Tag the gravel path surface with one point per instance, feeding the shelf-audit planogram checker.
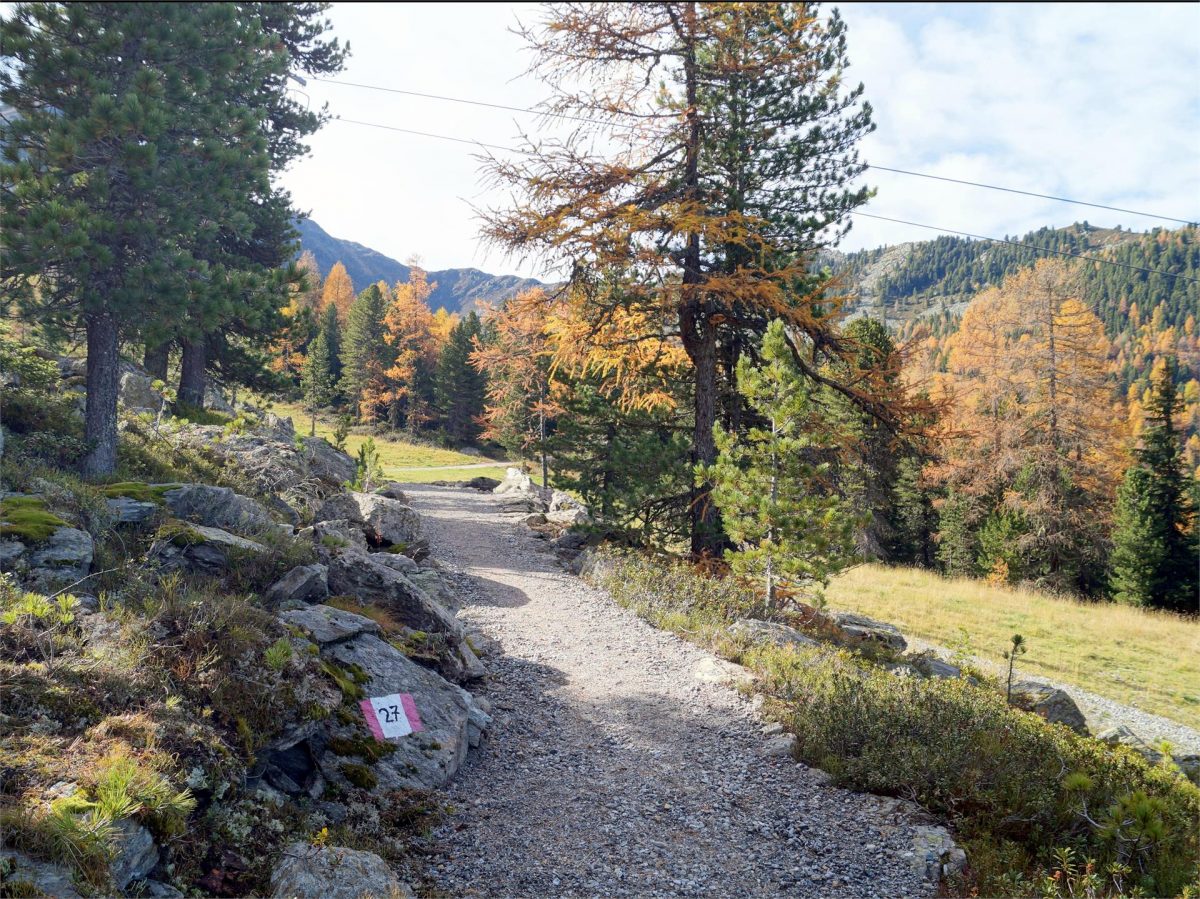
(611, 770)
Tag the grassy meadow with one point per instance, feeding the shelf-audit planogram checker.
(403, 460)
(1146, 659)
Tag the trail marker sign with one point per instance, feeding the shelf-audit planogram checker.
(391, 716)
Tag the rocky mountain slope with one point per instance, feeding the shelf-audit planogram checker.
(458, 289)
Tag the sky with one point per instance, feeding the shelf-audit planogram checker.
(1093, 102)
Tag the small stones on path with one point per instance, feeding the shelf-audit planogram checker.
(611, 767)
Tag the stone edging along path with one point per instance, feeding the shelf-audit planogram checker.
(612, 769)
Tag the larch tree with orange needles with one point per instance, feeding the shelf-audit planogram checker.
(716, 158)
(1045, 439)
(409, 331)
(338, 291)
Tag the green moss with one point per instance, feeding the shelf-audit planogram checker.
(143, 493)
(346, 681)
(180, 533)
(26, 518)
(360, 776)
(398, 549)
(363, 747)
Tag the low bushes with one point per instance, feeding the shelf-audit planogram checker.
(1041, 810)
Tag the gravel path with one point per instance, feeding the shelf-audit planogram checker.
(611, 770)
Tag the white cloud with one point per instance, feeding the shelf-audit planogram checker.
(1096, 102)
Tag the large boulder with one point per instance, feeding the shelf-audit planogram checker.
(217, 507)
(126, 510)
(304, 583)
(327, 463)
(451, 720)
(1052, 703)
(330, 872)
(515, 481)
(770, 633)
(860, 629)
(136, 392)
(338, 534)
(354, 574)
(63, 559)
(929, 665)
(385, 522)
(200, 549)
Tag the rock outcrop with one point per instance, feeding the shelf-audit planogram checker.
(330, 872)
(770, 632)
(385, 522)
(1053, 704)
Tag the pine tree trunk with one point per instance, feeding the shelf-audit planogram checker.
(192, 373)
(103, 379)
(155, 359)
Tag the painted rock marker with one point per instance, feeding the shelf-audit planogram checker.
(391, 716)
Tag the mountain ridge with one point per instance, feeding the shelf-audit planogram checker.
(457, 289)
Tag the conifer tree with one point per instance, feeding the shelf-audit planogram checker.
(1154, 560)
(726, 163)
(338, 291)
(129, 152)
(408, 391)
(331, 327)
(317, 381)
(461, 387)
(366, 355)
(773, 484)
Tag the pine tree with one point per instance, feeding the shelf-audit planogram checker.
(317, 380)
(366, 355)
(331, 327)
(1154, 559)
(461, 387)
(128, 153)
(772, 484)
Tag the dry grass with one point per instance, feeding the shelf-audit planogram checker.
(1146, 659)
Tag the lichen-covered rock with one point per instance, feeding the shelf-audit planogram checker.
(218, 507)
(781, 745)
(450, 719)
(354, 574)
(769, 632)
(126, 510)
(325, 624)
(136, 392)
(64, 558)
(935, 854)
(393, 490)
(330, 872)
(386, 522)
(397, 562)
(515, 481)
(718, 671)
(1052, 703)
(338, 534)
(304, 583)
(135, 853)
(28, 876)
(200, 549)
(931, 666)
(859, 629)
(568, 517)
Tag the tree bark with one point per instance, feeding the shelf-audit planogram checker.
(155, 359)
(192, 374)
(103, 380)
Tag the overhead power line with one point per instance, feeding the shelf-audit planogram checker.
(475, 143)
(881, 168)
(1028, 246)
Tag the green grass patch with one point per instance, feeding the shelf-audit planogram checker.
(1140, 657)
(27, 518)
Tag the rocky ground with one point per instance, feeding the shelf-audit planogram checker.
(612, 769)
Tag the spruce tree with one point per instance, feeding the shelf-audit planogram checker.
(317, 379)
(1154, 560)
(461, 387)
(331, 327)
(772, 484)
(365, 353)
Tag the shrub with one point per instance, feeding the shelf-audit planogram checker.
(1018, 790)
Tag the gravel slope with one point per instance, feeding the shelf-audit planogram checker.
(611, 770)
